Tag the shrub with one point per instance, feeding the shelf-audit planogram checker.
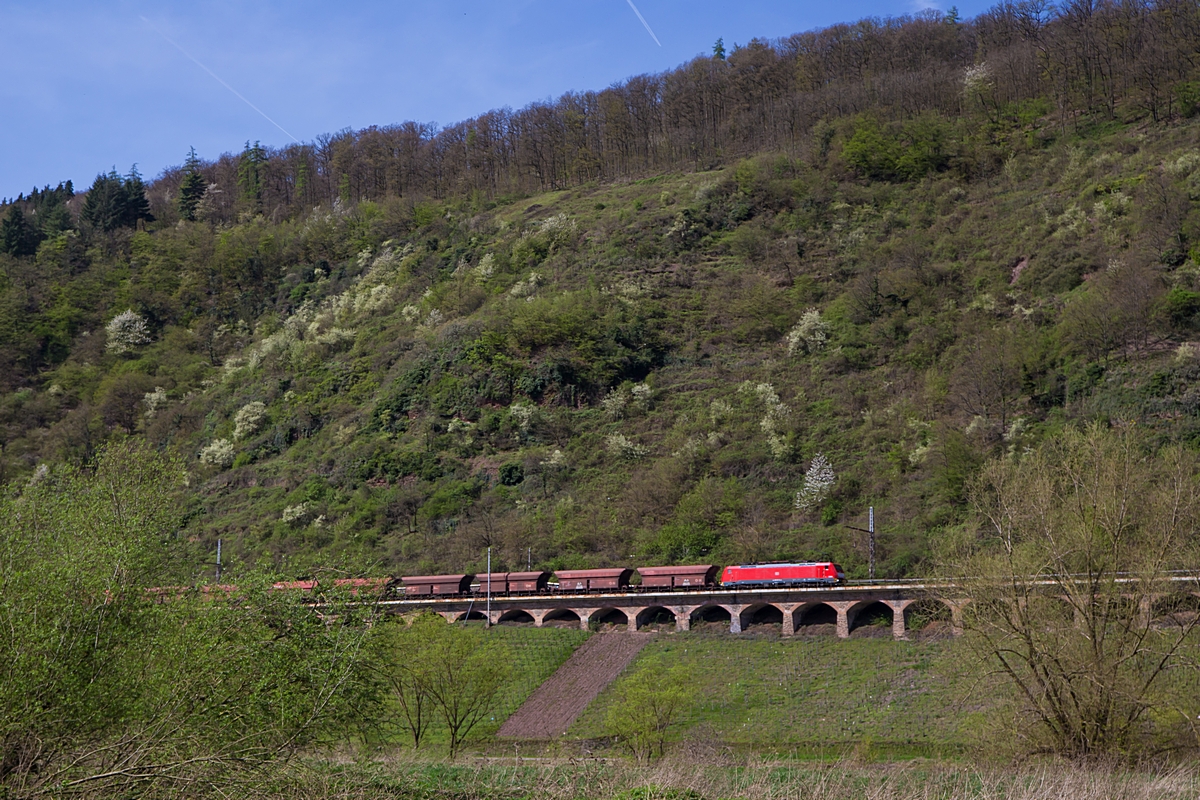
(1189, 98)
(511, 474)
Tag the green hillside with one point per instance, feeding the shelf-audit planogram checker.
(632, 372)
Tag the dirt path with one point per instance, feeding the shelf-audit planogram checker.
(554, 705)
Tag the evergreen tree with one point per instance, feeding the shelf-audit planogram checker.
(113, 202)
(105, 202)
(54, 220)
(51, 216)
(191, 190)
(136, 205)
(18, 236)
(250, 174)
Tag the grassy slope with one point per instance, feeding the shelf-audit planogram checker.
(818, 694)
(536, 654)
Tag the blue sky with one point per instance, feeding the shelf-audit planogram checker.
(92, 85)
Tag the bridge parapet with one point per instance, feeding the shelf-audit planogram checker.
(791, 608)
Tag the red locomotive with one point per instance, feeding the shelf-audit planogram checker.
(808, 573)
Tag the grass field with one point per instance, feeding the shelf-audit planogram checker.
(536, 654)
(689, 779)
(816, 696)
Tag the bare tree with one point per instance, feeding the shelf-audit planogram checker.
(987, 381)
(1083, 549)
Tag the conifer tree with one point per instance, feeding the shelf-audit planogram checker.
(191, 190)
(104, 203)
(250, 174)
(136, 206)
(18, 236)
(113, 202)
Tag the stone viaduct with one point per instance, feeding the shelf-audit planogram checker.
(791, 609)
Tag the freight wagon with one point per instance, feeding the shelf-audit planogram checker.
(593, 580)
(696, 576)
(498, 583)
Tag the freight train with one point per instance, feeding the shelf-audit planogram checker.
(572, 581)
(569, 581)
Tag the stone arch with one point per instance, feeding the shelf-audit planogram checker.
(814, 616)
(870, 615)
(655, 615)
(710, 613)
(474, 615)
(516, 616)
(1054, 609)
(765, 614)
(1130, 607)
(1175, 609)
(929, 617)
(561, 615)
(986, 611)
(608, 616)
(1118, 609)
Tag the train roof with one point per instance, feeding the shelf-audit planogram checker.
(782, 564)
(592, 573)
(692, 569)
(418, 579)
(527, 576)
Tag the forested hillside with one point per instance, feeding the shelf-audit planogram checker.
(712, 314)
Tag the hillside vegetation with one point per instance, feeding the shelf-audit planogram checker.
(724, 350)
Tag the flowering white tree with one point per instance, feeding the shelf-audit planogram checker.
(154, 400)
(126, 331)
(642, 394)
(218, 454)
(297, 513)
(809, 335)
(486, 266)
(614, 404)
(777, 413)
(528, 287)
(977, 79)
(523, 414)
(817, 482)
(625, 448)
(248, 419)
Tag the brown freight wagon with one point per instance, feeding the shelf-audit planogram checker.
(371, 587)
(695, 575)
(492, 582)
(591, 580)
(436, 584)
(528, 582)
(307, 587)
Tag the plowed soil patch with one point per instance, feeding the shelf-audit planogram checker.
(555, 704)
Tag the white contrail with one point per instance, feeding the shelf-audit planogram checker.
(217, 78)
(647, 24)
